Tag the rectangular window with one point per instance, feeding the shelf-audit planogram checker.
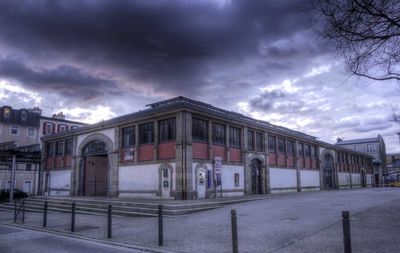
(250, 140)
(281, 146)
(271, 144)
(146, 132)
(234, 137)
(199, 130)
(31, 132)
(290, 148)
(59, 148)
(308, 151)
(313, 152)
(128, 136)
(260, 142)
(50, 149)
(236, 179)
(300, 149)
(167, 129)
(14, 130)
(68, 146)
(370, 148)
(49, 128)
(218, 134)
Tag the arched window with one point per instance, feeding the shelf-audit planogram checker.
(95, 147)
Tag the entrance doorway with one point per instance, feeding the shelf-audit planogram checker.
(256, 176)
(328, 172)
(95, 169)
(201, 183)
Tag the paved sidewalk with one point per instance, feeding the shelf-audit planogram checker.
(297, 222)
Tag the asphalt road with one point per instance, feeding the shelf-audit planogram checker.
(296, 222)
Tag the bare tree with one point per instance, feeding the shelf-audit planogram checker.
(366, 33)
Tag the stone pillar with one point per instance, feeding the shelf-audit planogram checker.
(184, 171)
(136, 149)
(227, 144)
(267, 184)
(74, 186)
(296, 158)
(156, 140)
(246, 161)
(113, 173)
(321, 168)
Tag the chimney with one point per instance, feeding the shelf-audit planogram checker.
(36, 110)
(59, 115)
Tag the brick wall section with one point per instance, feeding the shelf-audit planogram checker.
(272, 159)
(290, 161)
(281, 160)
(59, 160)
(301, 163)
(219, 151)
(166, 150)
(146, 152)
(49, 163)
(235, 155)
(308, 163)
(200, 150)
(67, 161)
(314, 164)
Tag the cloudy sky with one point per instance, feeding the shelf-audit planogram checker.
(94, 60)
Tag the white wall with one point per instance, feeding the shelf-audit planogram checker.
(228, 180)
(110, 133)
(282, 178)
(369, 179)
(309, 179)
(60, 179)
(355, 179)
(344, 179)
(141, 178)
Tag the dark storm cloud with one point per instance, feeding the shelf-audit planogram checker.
(266, 101)
(67, 80)
(167, 45)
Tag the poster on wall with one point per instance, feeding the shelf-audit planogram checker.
(217, 171)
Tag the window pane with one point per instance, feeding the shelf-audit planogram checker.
(234, 137)
(218, 134)
(290, 148)
(250, 138)
(199, 130)
(128, 136)
(146, 132)
(260, 142)
(281, 145)
(300, 149)
(271, 144)
(59, 148)
(68, 147)
(167, 129)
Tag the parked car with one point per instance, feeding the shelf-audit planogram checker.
(18, 194)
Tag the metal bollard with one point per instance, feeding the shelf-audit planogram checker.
(346, 232)
(45, 214)
(15, 211)
(73, 217)
(160, 226)
(235, 247)
(23, 211)
(109, 234)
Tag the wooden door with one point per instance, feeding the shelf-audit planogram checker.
(96, 176)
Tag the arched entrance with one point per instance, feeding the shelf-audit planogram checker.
(256, 176)
(95, 176)
(328, 172)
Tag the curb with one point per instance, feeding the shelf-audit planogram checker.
(91, 240)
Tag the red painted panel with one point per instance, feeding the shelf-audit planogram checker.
(200, 150)
(314, 164)
(59, 160)
(272, 159)
(300, 163)
(219, 151)
(166, 150)
(281, 160)
(67, 161)
(146, 152)
(49, 163)
(290, 161)
(308, 164)
(236, 155)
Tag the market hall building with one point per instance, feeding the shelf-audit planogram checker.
(185, 149)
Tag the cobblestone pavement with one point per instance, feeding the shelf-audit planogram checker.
(296, 222)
